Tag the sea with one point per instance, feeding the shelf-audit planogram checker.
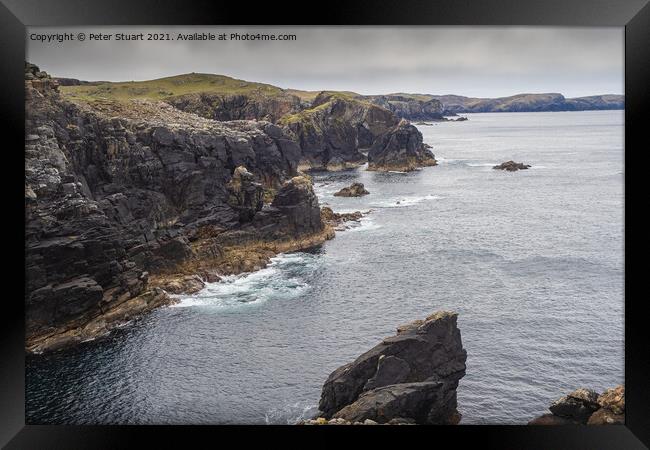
(532, 261)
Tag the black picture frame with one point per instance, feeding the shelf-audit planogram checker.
(15, 15)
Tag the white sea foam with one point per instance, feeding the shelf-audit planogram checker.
(404, 201)
(364, 224)
(284, 277)
(290, 414)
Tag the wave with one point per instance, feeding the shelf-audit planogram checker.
(285, 277)
(290, 414)
(364, 224)
(401, 202)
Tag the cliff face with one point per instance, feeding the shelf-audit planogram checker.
(238, 107)
(411, 376)
(410, 108)
(400, 149)
(117, 193)
(335, 131)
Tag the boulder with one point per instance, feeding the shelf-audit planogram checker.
(577, 405)
(354, 190)
(584, 406)
(412, 375)
(511, 166)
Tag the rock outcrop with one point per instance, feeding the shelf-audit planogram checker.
(585, 406)
(335, 131)
(226, 107)
(511, 166)
(124, 197)
(401, 149)
(340, 221)
(354, 190)
(409, 377)
(410, 107)
(246, 194)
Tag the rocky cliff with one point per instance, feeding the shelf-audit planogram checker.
(410, 107)
(123, 197)
(226, 107)
(335, 131)
(410, 377)
(400, 149)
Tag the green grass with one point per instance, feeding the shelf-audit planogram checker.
(164, 88)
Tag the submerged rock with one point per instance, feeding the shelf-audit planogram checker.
(354, 190)
(511, 166)
(411, 376)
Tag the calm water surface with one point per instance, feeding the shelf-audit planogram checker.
(532, 261)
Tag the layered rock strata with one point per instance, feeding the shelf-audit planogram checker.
(410, 377)
(336, 130)
(123, 198)
(401, 150)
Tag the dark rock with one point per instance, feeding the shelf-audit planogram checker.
(294, 211)
(354, 190)
(115, 191)
(338, 220)
(426, 402)
(552, 419)
(413, 375)
(246, 194)
(584, 406)
(578, 405)
(511, 166)
(227, 107)
(409, 107)
(400, 149)
(606, 416)
(334, 131)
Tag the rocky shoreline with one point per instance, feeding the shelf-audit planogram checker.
(128, 201)
(586, 407)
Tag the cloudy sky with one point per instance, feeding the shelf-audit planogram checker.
(472, 61)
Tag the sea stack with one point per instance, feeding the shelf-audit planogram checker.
(401, 150)
(408, 378)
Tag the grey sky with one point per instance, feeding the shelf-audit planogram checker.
(473, 61)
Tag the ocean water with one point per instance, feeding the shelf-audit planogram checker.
(532, 261)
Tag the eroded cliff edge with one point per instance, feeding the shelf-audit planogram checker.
(123, 198)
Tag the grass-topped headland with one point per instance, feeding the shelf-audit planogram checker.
(165, 88)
